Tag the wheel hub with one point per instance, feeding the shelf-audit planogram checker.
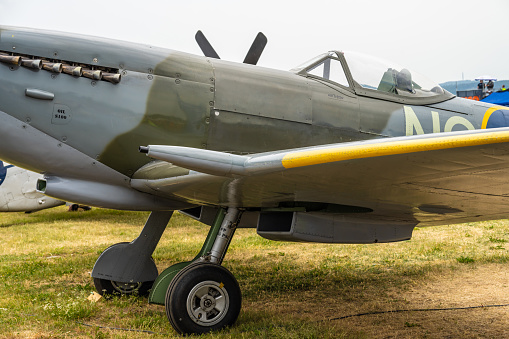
(207, 303)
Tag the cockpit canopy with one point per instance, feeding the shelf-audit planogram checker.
(370, 76)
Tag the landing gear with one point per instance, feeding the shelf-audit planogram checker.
(203, 297)
(199, 296)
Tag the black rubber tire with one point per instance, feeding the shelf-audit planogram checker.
(181, 299)
(108, 288)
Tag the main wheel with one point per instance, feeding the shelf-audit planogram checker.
(110, 287)
(203, 297)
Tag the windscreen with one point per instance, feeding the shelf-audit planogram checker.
(379, 75)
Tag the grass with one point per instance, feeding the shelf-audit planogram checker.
(290, 290)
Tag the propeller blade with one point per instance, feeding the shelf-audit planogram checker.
(254, 53)
(205, 46)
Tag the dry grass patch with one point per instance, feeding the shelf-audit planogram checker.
(465, 286)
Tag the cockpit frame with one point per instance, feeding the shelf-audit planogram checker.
(392, 91)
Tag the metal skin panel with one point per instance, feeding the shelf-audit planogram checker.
(39, 152)
(242, 133)
(375, 115)
(42, 153)
(335, 113)
(288, 98)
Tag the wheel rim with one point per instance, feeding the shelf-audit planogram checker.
(126, 288)
(207, 303)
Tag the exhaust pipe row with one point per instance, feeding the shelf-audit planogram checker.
(58, 67)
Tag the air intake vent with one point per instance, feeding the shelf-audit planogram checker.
(41, 185)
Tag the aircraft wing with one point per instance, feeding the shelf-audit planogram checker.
(425, 180)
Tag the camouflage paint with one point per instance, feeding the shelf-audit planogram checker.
(176, 113)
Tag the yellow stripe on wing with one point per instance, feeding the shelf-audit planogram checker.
(323, 156)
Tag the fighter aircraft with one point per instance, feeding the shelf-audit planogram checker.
(342, 149)
(18, 193)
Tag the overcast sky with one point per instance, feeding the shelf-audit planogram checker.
(440, 38)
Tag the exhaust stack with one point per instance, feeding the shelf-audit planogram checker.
(112, 77)
(55, 67)
(62, 66)
(76, 71)
(31, 63)
(93, 74)
(8, 59)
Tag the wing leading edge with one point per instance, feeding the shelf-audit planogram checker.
(224, 164)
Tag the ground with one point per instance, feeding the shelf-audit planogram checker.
(290, 290)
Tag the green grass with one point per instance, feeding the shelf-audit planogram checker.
(46, 259)
(465, 260)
